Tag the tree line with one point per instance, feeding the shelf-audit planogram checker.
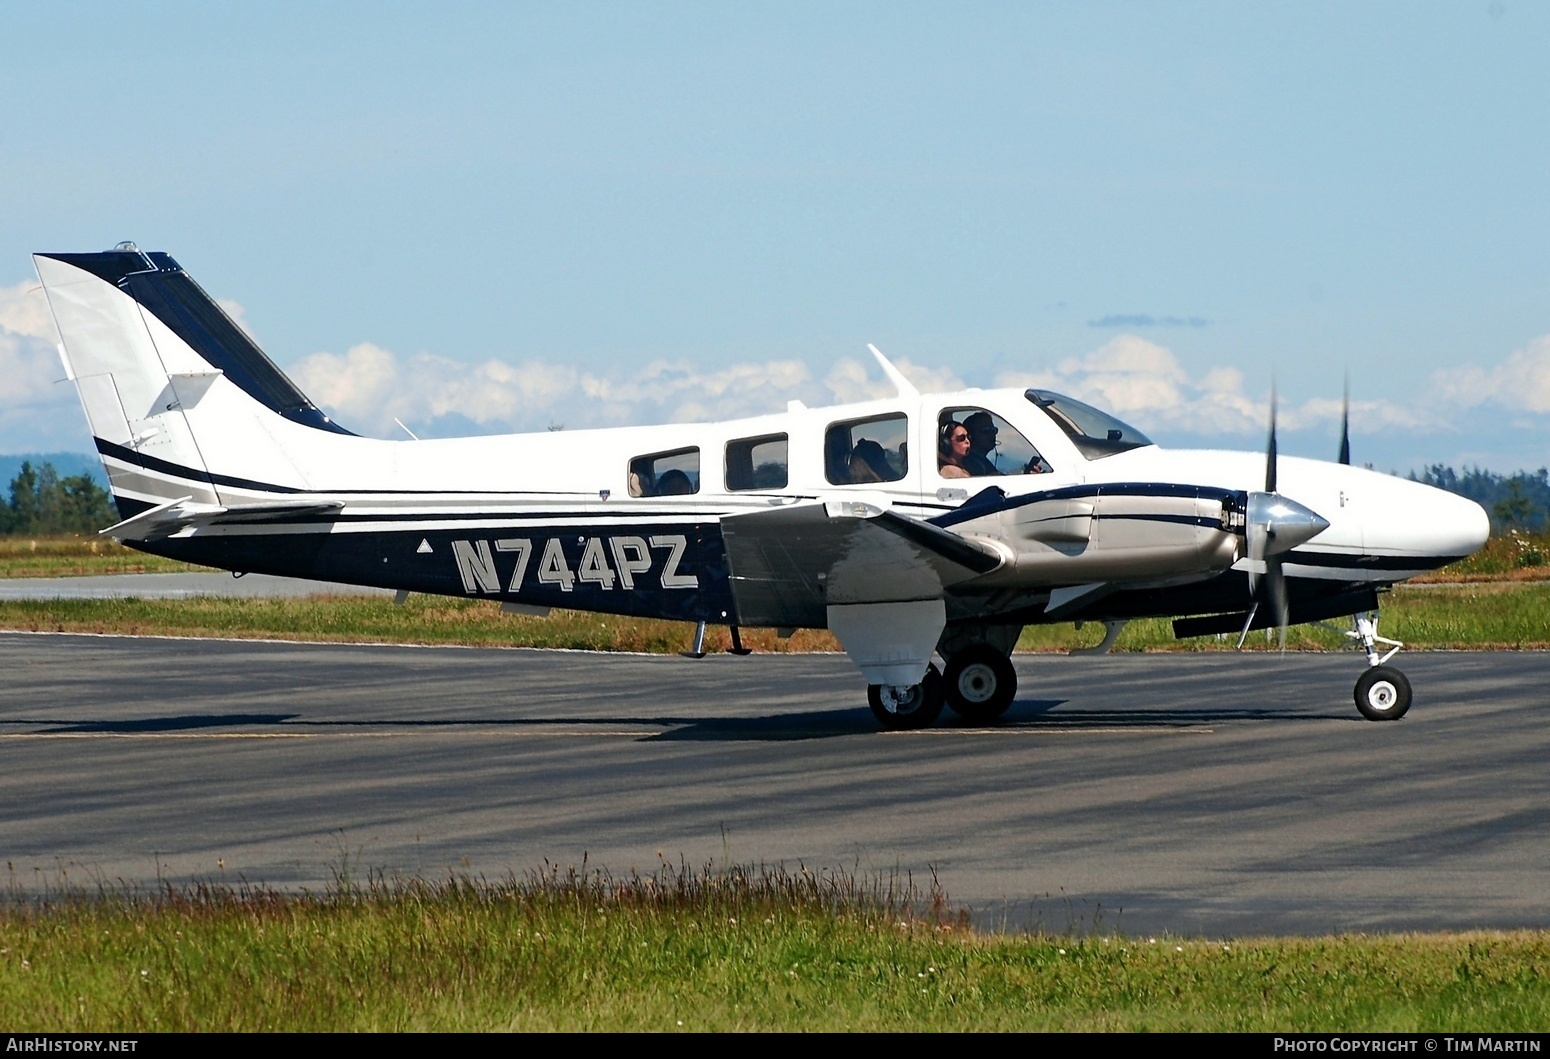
(1518, 501)
(41, 503)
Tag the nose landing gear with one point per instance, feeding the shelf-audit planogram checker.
(1382, 692)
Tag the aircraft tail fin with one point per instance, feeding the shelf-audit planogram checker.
(181, 402)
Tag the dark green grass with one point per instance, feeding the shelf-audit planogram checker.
(696, 950)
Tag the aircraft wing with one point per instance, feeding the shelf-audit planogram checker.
(789, 563)
(164, 520)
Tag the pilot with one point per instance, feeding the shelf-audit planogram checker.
(982, 442)
(953, 450)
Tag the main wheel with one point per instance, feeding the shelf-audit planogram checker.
(981, 683)
(899, 707)
(1383, 694)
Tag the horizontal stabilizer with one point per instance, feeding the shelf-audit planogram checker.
(164, 520)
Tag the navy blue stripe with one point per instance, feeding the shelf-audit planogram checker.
(177, 470)
(1369, 562)
(111, 266)
(994, 499)
(1181, 520)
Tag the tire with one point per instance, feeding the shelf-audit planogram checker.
(919, 707)
(981, 683)
(1383, 694)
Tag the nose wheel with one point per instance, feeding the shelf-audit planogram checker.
(900, 707)
(1383, 692)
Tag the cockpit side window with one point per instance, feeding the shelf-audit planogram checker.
(675, 473)
(757, 463)
(1096, 434)
(862, 451)
(976, 443)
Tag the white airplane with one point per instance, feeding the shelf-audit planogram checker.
(919, 525)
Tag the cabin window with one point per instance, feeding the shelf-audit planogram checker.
(757, 463)
(675, 473)
(861, 451)
(977, 443)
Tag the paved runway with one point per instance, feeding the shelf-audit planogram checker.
(1207, 794)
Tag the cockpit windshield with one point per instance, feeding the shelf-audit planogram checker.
(1096, 434)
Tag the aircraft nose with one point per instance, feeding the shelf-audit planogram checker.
(1470, 525)
(1433, 522)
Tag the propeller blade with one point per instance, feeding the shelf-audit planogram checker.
(1249, 620)
(1275, 589)
(1345, 423)
(1270, 447)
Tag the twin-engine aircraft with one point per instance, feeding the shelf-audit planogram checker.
(917, 526)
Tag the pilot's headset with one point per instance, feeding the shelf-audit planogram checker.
(944, 440)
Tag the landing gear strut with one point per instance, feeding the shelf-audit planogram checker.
(1383, 692)
(981, 683)
(901, 707)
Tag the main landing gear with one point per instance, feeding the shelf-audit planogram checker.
(979, 684)
(902, 707)
(1383, 692)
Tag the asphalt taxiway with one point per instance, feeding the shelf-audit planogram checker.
(1219, 794)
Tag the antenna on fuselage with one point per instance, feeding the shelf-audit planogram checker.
(904, 386)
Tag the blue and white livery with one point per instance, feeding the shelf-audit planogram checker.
(917, 527)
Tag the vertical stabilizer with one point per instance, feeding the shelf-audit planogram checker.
(180, 400)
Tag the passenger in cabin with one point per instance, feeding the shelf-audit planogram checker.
(868, 463)
(953, 450)
(836, 455)
(674, 483)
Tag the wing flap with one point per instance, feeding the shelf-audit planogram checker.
(788, 564)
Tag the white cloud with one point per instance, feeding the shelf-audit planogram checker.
(368, 386)
(24, 311)
(1520, 383)
(36, 411)
(1141, 381)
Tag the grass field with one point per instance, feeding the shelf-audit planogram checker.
(78, 557)
(1501, 615)
(708, 950)
(1497, 599)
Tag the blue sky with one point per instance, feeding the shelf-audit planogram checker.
(487, 217)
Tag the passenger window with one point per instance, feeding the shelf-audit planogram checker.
(757, 463)
(867, 450)
(975, 443)
(675, 473)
